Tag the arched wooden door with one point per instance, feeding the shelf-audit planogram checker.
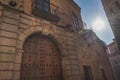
(41, 59)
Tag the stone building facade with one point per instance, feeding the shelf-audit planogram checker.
(42, 42)
(112, 9)
(113, 53)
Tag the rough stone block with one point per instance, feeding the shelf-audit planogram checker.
(46, 31)
(68, 73)
(38, 23)
(32, 29)
(23, 26)
(10, 21)
(65, 61)
(8, 34)
(6, 57)
(7, 41)
(0, 13)
(72, 56)
(27, 32)
(76, 77)
(6, 66)
(22, 37)
(5, 75)
(6, 49)
(19, 44)
(16, 75)
(10, 14)
(76, 72)
(18, 58)
(1, 8)
(26, 21)
(8, 27)
(74, 61)
(17, 67)
(27, 16)
(39, 28)
(67, 67)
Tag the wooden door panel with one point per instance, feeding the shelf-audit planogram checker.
(41, 59)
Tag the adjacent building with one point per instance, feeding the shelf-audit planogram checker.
(112, 9)
(113, 53)
(45, 40)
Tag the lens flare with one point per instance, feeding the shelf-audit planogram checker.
(98, 24)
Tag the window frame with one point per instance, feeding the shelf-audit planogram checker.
(87, 72)
(104, 74)
(75, 21)
(42, 5)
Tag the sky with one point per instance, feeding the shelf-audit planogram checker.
(92, 11)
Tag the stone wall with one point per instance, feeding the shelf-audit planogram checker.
(65, 10)
(76, 51)
(8, 38)
(114, 57)
(15, 27)
(92, 52)
(112, 9)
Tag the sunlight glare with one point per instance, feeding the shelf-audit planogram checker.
(98, 24)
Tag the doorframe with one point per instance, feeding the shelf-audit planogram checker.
(20, 42)
(51, 39)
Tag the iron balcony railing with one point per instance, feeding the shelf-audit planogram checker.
(46, 10)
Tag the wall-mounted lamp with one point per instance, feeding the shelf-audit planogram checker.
(12, 3)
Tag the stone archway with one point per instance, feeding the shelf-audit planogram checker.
(20, 42)
(41, 59)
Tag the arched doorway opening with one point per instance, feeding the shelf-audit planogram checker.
(41, 59)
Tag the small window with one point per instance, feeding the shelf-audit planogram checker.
(116, 62)
(117, 4)
(103, 73)
(76, 21)
(88, 73)
(111, 10)
(42, 5)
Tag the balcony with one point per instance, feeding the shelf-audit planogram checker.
(46, 11)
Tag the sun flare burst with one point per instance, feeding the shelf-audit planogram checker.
(98, 24)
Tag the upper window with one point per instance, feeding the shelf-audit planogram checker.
(88, 73)
(76, 22)
(44, 9)
(103, 73)
(43, 5)
(117, 4)
(111, 10)
(116, 62)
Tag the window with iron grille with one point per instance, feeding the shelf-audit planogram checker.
(117, 4)
(103, 73)
(42, 5)
(75, 20)
(46, 10)
(88, 72)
